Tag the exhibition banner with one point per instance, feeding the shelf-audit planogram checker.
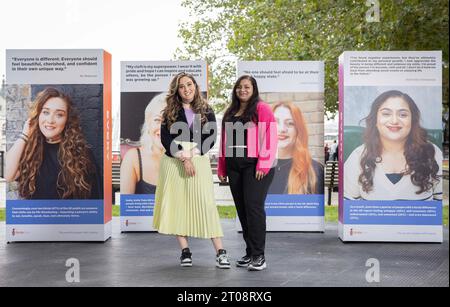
(295, 91)
(144, 87)
(58, 161)
(390, 146)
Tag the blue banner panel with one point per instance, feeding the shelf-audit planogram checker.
(295, 205)
(30, 212)
(137, 204)
(363, 212)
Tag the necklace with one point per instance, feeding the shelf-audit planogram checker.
(284, 163)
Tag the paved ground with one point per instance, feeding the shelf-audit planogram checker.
(294, 259)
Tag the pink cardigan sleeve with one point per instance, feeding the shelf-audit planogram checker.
(268, 137)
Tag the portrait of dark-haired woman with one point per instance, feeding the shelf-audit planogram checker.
(396, 160)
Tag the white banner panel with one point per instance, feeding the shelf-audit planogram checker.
(153, 76)
(390, 146)
(58, 190)
(285, 76)
(387, 68)
(54, 66)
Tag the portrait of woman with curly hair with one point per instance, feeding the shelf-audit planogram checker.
(51, 158)
(396, 161)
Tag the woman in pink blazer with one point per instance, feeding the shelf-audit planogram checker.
(247, 156)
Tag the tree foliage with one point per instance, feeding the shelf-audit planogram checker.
(222, 32)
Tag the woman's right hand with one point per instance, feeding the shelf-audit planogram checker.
(223, 179)
(189, 167)
(26, 128)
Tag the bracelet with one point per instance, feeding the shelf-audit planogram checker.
(23, 139)
(23, 134)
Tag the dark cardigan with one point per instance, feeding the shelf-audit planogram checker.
(167, 137)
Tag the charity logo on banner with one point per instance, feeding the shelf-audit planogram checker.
(58, 160)
(144, 87)
(295, 91)
(390, 146)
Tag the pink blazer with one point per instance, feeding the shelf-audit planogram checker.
(262, 141)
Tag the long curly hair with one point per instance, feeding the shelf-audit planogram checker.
(73, 154)
(174, 102)
(302, 177)
(418, 152)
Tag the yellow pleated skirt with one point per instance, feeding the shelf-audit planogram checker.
(186, 206)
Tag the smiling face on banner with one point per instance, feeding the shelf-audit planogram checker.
(53, 118)
(287, 131)
(394, 119)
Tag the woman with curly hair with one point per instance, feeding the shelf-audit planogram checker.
(296, 171)
(396, 161)
(51, 159)
(184, 201)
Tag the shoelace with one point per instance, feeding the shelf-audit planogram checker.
(223, 258)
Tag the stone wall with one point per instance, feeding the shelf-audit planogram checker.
(312, 107)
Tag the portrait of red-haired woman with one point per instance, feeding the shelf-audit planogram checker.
(396, 160)
(296, 171)
(51, 158)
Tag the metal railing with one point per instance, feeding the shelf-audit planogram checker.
(331, 178)
(2, 164)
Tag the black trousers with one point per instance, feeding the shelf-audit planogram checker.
(249, 197)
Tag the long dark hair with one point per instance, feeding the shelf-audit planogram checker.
(419, 153)
(250, 113)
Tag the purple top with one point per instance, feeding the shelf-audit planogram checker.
(189, 116)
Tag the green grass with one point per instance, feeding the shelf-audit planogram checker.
(116, 210)
(445, 216)
(331, 214)
(229, 212)
(225, 212)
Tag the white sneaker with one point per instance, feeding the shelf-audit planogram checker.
(222, 261)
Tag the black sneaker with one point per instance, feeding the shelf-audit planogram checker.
(222, 261)
(243, 262)
(258, 263)
(186, 258)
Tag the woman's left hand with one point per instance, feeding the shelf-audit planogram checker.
(259, 175)
(189, 168)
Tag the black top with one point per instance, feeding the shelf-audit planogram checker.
(47, 177)
(394, 177)
(204, 137)
(234, 138)
(143, 187)
(280, 180)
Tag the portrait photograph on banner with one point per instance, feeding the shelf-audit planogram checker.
(58, 157)
(392, 146)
